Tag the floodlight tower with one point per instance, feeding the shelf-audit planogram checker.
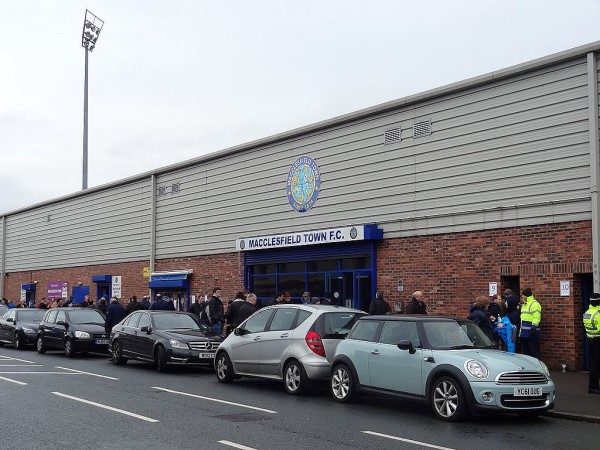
(92, 26)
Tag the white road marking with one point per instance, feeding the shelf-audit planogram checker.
(110, 408)
(215, 400)
(233, 444)
(86, 373)
(38, 373)
(13, 381)
(21, 365)
(9, 358)
(410, 441)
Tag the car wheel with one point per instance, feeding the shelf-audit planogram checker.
(342, 384)
(161, 359)
(448, 400)
(39, 345)
(18, 343)
(69, 350)
(224, 368)
(294, 378)
(117, 354)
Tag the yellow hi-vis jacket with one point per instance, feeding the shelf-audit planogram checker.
(531, 316)
(591, 322)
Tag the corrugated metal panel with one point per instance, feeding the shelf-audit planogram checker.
(105, 226)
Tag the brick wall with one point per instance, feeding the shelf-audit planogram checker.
(453, 269)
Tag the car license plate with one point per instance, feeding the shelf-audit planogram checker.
(206, 355)
(101, 341)
(528, 391)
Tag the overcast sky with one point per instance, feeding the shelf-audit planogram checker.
(173, 80)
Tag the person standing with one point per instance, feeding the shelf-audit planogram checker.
(531, 317)
(416, 304)
(379, 305)
(133, 305)
(231, 316)
(216, 311)
(591, 322)
(479, 315)
(198, 307)
(245, 310)
(114, 314)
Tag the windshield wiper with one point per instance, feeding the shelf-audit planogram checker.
(91, 323)
(461, 347)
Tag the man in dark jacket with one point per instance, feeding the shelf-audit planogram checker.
(133, 305)
(114, 314)
(416, 305)
(379, 305)
(245, 310)
(216, 311)
(198, 306)
(162, 303)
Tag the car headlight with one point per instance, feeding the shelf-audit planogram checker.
(476, 369)
(178, 344)
(545, 368)
(28, 330)
(82, 335)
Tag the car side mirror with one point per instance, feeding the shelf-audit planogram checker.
(145, 329)
(406, 345)
(10, 319)
(63, 323)
(239, 331)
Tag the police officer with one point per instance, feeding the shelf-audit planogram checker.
(591, 322)
(531, 316)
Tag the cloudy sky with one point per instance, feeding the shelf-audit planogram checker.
(173, 80)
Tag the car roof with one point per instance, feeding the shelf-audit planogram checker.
(323, 308)
(416, 317)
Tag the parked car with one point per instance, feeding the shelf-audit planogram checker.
(3, 309)
(19, 326)
(163, 338)
(448, 362)
(72, 330)
(292, 343)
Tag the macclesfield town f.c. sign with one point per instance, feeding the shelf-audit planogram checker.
(303, 184)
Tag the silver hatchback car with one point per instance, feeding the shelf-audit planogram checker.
(292, 343)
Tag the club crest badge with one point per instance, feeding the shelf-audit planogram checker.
(303, 184)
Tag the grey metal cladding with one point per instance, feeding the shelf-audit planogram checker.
(508, 153)
(110, 225)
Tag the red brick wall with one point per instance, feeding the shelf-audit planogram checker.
(453, 269)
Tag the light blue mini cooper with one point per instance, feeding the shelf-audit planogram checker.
(448, 362)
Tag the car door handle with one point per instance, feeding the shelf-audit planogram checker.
(284, 335)
(257, 338)
(135, 332)
(375, 352)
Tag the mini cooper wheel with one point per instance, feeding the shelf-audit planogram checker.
(294, 378)
(39, 345)
(117, 354)
(69, 350)
(342, 384)
(18, 342)
(224, 368)
(448, 400)
(161, 359)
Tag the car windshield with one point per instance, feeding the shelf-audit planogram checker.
(452, 335)
(31, 315)
(175, 321)
(86, 316)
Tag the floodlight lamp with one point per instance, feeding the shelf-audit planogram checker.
(92, 26)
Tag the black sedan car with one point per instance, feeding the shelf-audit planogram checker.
(72, 330)
(163, 338)
(19, 326)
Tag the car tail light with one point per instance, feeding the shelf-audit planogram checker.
(314, 342)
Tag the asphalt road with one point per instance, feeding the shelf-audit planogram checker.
(50, 401)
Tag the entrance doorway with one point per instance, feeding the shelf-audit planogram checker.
(350, 288)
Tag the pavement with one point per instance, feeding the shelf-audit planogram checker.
(572, 399)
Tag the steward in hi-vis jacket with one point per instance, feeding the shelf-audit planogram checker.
(591, 322)
(531, 316)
